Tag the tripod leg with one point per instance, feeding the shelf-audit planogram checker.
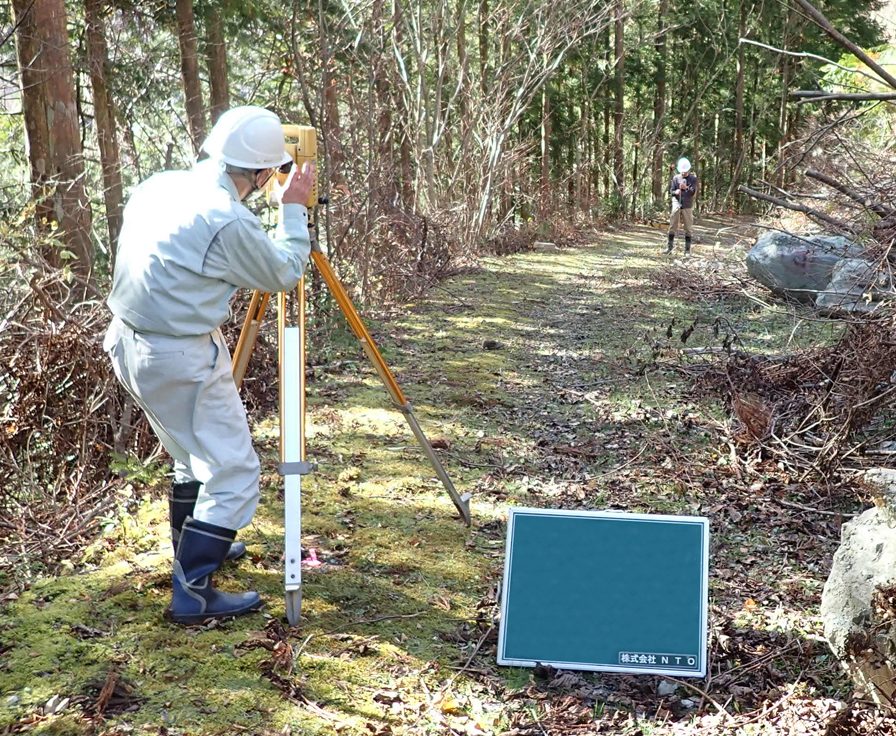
(248, 335)
(461, 503)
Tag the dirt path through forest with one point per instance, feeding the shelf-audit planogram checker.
(553, 378)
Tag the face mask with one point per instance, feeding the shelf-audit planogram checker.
(253, 192)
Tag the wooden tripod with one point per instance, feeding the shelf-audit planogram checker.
(293, 465)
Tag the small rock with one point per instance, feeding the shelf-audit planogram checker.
(55, 705)
(13, 700)
(686, 703)
(666, 687)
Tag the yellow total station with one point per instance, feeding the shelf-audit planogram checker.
(301, 144)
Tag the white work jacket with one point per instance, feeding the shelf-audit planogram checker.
(187, 244)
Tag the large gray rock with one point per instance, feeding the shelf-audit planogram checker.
(798, 267)
(857, 623)
(855, 284)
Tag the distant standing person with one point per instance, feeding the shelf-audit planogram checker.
(683, 189)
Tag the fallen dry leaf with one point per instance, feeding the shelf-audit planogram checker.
(450, 706)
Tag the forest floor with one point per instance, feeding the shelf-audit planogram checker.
(554, 378)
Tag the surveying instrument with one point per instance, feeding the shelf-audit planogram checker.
(301, 144)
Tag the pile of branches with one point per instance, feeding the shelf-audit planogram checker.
(693, 283)
(63, 422)
(820, 410)
(511, 237)
(391, 254)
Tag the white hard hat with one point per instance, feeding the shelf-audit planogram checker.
(248, 136)
(683, 165)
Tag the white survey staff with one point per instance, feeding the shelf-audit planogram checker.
(187, 244)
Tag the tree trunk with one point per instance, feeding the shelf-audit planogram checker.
(104, 115)
(750, 163)
(782, 123)
(695, 157)
(463, 101)
(402, 116)
(384, 103)
(582, 153)
(739, 151)
(717, 163)
(189, 68)
(51, 127)
(782, 108)
(466, 124)
(739, 92)
(659, 107)
(619, 117)
(608, 151)
(483, 48)
(545, 194)
(33, 67)
(635, 182)
(793, 127)
(334, 129)
(216, 53)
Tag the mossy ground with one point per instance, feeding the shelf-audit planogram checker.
(389, 621)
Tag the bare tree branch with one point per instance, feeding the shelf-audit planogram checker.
(814, 95)
(807, 55)
(877, 207)
(826, 26)
(798, 208)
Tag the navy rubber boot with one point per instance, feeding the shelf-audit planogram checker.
(687, 244)
(671, 243)
(181, 502)
(200, 551)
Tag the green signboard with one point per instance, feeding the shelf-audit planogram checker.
(608, 591)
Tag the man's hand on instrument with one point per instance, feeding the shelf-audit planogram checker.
(298, 187)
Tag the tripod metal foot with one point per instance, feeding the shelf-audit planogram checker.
(294, 605)
(461, 503)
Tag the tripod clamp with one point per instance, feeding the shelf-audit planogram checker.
(302, 467)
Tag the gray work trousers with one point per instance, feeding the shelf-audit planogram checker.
(185, 386)
(685, 216)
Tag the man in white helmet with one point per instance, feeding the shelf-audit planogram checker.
(683, 189)
(187, 244)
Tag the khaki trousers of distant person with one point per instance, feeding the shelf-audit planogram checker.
(681, 215)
